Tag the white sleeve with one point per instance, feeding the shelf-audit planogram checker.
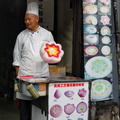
(51, 38)
(17, 53)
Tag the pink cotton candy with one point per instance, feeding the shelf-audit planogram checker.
(57, 94)
(69, 93)
(82, 92)
(69, 109)
(91, 1)
(105, 20)
(51, 52)
(55, 111)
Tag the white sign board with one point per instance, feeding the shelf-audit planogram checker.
(68, 101)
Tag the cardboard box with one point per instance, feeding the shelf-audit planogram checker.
(57, 71)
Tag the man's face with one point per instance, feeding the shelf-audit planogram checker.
(31, 21)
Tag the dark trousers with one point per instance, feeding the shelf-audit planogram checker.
(25, 109)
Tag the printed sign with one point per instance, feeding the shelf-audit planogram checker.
(69, 101)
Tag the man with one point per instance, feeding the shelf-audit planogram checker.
(26, 56)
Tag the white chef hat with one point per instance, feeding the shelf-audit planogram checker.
(32, 8)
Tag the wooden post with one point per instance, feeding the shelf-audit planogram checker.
(78, 53)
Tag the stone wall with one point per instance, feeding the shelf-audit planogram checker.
(104, 111)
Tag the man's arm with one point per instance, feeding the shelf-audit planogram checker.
(16, 70)
(17, 55)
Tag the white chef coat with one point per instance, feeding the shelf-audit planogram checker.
(26, 54)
